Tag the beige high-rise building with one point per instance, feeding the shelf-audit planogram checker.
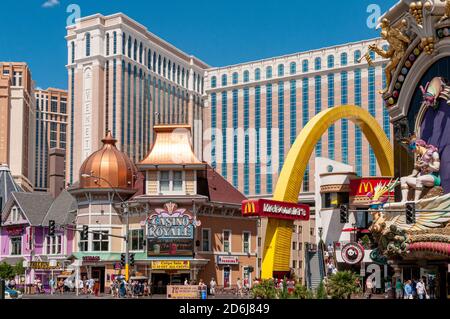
(124, 79)
(51, 130)
(17, 122)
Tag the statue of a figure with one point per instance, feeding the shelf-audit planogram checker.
(398, 43)
(426, 170)
(447, 11)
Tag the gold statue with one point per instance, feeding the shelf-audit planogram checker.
(398, 43)
(447, 11)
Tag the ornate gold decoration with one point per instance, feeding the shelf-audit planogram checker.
(428, 45)
(398, 43)
(416, 10)
(447, 11)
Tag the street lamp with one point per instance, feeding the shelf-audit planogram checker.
(125, 207)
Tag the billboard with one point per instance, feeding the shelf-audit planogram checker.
(362, 186)
(275, 209)
(170, 231)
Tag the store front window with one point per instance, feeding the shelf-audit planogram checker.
(226, 277)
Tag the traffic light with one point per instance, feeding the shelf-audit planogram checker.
(51, 228)
(343, 214)
(410, 214)
(85, 232)
(131, 260)
(122, 260)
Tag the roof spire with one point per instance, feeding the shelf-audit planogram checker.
(109, 139)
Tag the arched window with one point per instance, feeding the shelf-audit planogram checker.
(140, 52)
(330, 61)
(385, 47)
(187, 78)
(182, 77)
(129, 47)
(246, 76)
(114, 42)
(174, 71)
(257, 74)
(280, 69)
(344, 59)
(154, 61)
(124, 43)
(372, 55)
(357, 56)
(213, 82)
(107, 44)
(305, 66)
(293, 68)
(178, 75)
(198, 82)
(317, 64)
(224, 80)
(159, 64)
(135, 50)
(88, 44)
(149, 59)
(269, 72)
(235, 78)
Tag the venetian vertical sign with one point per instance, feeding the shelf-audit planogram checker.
(87, 113)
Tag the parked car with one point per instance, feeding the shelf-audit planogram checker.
(13, 294)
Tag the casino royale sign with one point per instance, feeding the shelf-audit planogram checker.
(275, 209)
(170, 231)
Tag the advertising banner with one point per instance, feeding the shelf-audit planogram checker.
(275, 209)
(171, 265)
(182, 292)
(227, 260)
(170, 231)
(362, 186)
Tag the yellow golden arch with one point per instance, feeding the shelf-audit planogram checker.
(277, 246)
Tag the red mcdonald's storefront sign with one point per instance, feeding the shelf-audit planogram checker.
(275, 209)
(362, 186)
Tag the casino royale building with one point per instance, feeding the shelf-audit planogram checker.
(185, 219)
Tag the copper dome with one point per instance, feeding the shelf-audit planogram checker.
(108, 164)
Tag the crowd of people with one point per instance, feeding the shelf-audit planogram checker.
(415, 289)
(120, 288)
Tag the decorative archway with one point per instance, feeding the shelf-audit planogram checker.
(277, 247)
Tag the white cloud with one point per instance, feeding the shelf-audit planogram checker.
(50, 3)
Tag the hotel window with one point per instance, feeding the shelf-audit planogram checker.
(358, 134)
(73, 51)
(235, 78)
(357, 56)
(294, 264)
(246, 141)
(114, 42)
(235, 139)
(54, 105)
(293, 68)
(227, 241)
(269, 102)
(306, 180)
(269, 72)
(293, 110)
(17, 78)
(246, 76)
(318, 108)
(280, 70)
(294, 245)
(100, 241)
(330, 61)
(224, 172)
(259, 241)
(213, 82)
(54, 245)
(331, 129)
(135, 50)
(63, 107)
(246, 242)
(62, 136)
(317, 64)
(137, 239)
(16, 245)
(141, 50)
(164, 66)
(88, 44)
(213, 126)
(177, 181)
(281, 124)
(258, 136)
(224, 80)
(170, 181)
(129, 47)
(305, 66)
(386, 119)
(311, 231)
(53, 134)
(344, 59)
(154, 61)
(107, 44)
(206, 239)
(258, 74)
(159, 64)
(124, 42)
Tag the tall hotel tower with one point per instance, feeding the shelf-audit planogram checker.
(125, 79)
(266, 103)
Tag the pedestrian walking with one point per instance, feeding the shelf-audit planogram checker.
(399, 289)
(421, 290)
(212, 287)
(369, 287)
(239, 287)
(408, 293)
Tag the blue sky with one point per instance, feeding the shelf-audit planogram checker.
(217, 31)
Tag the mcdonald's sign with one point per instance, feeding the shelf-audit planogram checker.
(362, 186)
(275, 209)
